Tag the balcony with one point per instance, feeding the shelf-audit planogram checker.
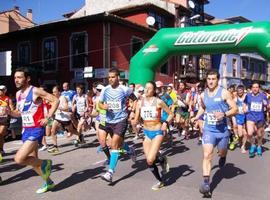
(263, 77)
(255, 76)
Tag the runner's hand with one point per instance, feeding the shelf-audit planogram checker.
(219, 115)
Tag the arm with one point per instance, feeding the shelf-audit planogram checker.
(15, 113)
(201, 109)
(233, 107)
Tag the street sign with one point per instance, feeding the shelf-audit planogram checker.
(88, 72)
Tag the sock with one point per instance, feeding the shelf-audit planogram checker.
(126, 147)
(113, 160)
(106, 152)
(153, 168)
(206, 179)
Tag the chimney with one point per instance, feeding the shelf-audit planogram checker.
(29, 14)
(17, 8)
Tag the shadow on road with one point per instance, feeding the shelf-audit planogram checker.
(176, 172)
(78, 177)
(228, 171)
(140, 165)
(27, 174)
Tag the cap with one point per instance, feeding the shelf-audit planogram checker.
(141, 89)
(171, 85)
(99, 87)
(159, 84)
(2, 87)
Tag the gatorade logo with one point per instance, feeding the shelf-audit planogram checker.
(151, 49)
(212, 37)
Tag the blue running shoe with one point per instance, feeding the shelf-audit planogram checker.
(259, 151)
(99, 149)
(252, 150)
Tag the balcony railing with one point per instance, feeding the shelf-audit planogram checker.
(263, 77)
(245, 74)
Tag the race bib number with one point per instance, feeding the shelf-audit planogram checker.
(114, 105)
(27, 120)
(211, 119)
(3, 111)
(149, 113)
(256, 107)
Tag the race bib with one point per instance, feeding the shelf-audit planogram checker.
(27, 120)
(3, 111)
(114, 105)
(256, 107)
(149, 113)
(211, 119)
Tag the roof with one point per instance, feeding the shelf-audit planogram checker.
(78, 21)
(220, 21)
(139, 7)
(18, 13)
(238, 19)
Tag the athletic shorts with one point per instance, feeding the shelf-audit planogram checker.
(259, 124)
(218, 140)
(152, 134)
(4, 121)
(33, 134)
(119, 128)
(240, 119)
(63, 123)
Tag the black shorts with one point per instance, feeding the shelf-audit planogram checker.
(119, 128)
(4, 121)
(63, 123)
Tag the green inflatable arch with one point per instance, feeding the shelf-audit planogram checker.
(233, 38)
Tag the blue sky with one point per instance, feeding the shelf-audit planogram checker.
(50, 10)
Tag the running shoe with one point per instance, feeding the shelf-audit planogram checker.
(157, 186)
(252, 150)
(43, 148)
(165, 166)
(259, 151)
(99, 149)
(132, 154)
(76, 142)
(243, 149)
(46, 167)
(46, 187)
(221, 162)
(107, 176)
(1, 157)
(232, 146)
(205, 188)
(53, 150)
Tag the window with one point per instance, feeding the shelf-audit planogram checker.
(24, 53)
(137, 44)
(252, 68)
(260, 68)
(159, 20)
(164, 69)
(234, 65)
(78, 50)
(244, 64)
(49, 54)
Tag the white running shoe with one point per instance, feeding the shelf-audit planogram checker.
(107, 177)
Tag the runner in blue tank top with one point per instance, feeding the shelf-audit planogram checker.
(113, 99)
(255, 103)
(217, 104)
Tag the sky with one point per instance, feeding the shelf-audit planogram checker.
(51, 10)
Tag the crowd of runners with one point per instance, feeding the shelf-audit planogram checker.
(227, 119)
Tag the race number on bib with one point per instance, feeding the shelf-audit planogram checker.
(149, 113)
(27, 120)
(256, 107)
(3, 111)
(211, 119)
(114, 105)
(240, 110)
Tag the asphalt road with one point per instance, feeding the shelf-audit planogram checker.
(77, 171)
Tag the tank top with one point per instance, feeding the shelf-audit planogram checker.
(212, 105)
(239, 104)
(62, 115)
(4, 103)
(31, 112)
(150, 113)
(80, 103)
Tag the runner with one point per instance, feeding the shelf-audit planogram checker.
(255, 103)
(30, 108)
(113, 98)
(217, 103)
(5, 104)
(149, 109)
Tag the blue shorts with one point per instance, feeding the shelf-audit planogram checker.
(33, 134)
(152, 134)
(240, 119)
(218, 140)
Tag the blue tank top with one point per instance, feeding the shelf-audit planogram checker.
(255, 105)
(239, 104)
(215, 104)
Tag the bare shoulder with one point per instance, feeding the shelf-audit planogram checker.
(226, 94)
